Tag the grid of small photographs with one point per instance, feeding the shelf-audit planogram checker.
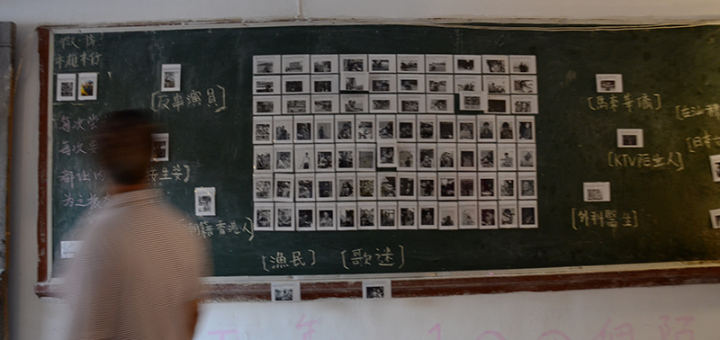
(394, 142)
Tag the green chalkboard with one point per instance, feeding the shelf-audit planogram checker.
(660, 194)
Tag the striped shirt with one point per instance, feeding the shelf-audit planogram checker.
(137, 272)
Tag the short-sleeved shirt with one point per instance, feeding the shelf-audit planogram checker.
(137, 273)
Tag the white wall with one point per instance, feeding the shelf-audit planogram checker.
(580, 314)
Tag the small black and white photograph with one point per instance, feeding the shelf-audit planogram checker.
(284, 187)
(471, 101)
(411, 103)
(354, 82)
(446, 127)
(266, 64)
(284, 217)
(506, 127)
(87, 86)
(528, 214)
(345, 157)
(387, 186)
(486, 128)
(495, 64)
(467, 183)
(526, 157)
(376, 289)
(427, 186)
(304, 157)
(324, 84)
(498, 104)
(263, 158)
(295, 84)
(324, 187)
(488, 187)
(204, 201)
(466, 129)
(439, 83)
(285, 291)
(262, 130)
(426, 157)
(609, 83)
(367, 215)
(365, 130)
(522, 64)
(383, 83)
(266, 85)
(353, 62)
(411, 83)
(406, 156)
(388, 215)
(715, 167)
(266, 105)
(295, 63)
(344, 128)
(382, 63)
(507, 159)
(383, 103)
(366, 184)
(486, 157)
(630, 138)
(426, 128)
(365, 157)
(406, 128)
(65, 87)
(448, 185)
(324, 132)
(448, 217)
(496, 84)
(345, 187)
(387, 156)
(524, 84)
(160, 147)
(385, 127)
(324, 157)
(263, 187)
(284, 161)
(263, 217)
(428, 215)
(524, 104)
(324, 63)
(468, 215)
(507, 187)
(305, 216)
(170, 77)
(488, 215)
(527, 185)
(468, 83)
(325, 216)
(447, 157)
(347, 217)
(715, 218)
(440, 103)
(298, 104)
(507, 214)
(596, 191)
(304, 187)
(407, 182)
(411, 63)
(468, 63)
(303, 129)
(438, 63)
(408, 215)
(353, 103)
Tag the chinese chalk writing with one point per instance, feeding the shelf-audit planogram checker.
(91, 200)
(674, 160)
(77, 51)
(625, 102)
(280, 261)
(176, 172)
(383, 257)
(207, 229)
(706, 140)
(603, 218)
(212, 97)
(683, 112)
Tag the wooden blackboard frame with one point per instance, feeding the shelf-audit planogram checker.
(7, 96)
(349, 286)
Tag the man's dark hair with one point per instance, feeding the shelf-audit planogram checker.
(124, 145)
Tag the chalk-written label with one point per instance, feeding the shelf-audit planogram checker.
(68, 249)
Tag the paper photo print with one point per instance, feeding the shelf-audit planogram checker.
(715, 167)
(285, 291)
(170, 77)
(65, 87)
(376, 289)
(87, 86)
(630, 138)
(266, 64)
(715, 218)
(160, 147)
(596, 191)
(204, 201)
(609, 83)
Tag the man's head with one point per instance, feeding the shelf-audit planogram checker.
(125, 141)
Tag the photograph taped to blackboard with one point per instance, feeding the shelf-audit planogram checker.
(326, 216)
(353, 103)
(495, 85)
(204, 201)
(324, 63)
(304, 158)
(439, 63)
(304, 187)
(383, 83)
(160, 147)
(447, 156)
(428, 215)
(524, 84)
(305, 216)
(170, 77)
(387, 155)
(325, 187)
(266, 64)
(263, 214)
(715, 218)
(528, 214)
(596, 191)
(468, 83)
(609, 83)
(344, 129)
(715, 167)
(365, 128)
(407, 185)
(468, 63)
(523, 64)
(284, 187)
(495, 63)
(506, 129)
(263, 185)
(411, 63)
(365, 157)
(447, 185)
(467, 157)
(262, 130)
(284, 217)
(488, 215)
(467, 184)
(406, 128)
(325, 103)
(427, 154)
(427, 128)
(507, 214)
(488, 185)
(487, 157)
(527, 157)
(439, 83)
(447, 213)
(303, 129)
(486, 128)
(498, 104)
(440, 103)
(346, 186)
(527, 185)
(506, 157)
(471, 101)
(65, 87)
(383, 103)
(263, 159)
(284, 160)
(295, 84)
(408, 215)
(446, 128)
(388, 215)
(285, 291)
(324, 129)
(411, 83)
(295, 63)
(411, 103)
(376, 289)
(382, 63)
(427, 186)
(266, 105)
(267, 85)
(354, 81)
(87, 86)
(347, 216)
(630, 138)
(366, 186)
(346, 157)
(387, 185)
(296, 104)
(385, 125)
(507, 185)
(324, 84)
(524, 104)
(324, 157)
(406, 156)
(468, 215)
(367, 215)
(353, 63)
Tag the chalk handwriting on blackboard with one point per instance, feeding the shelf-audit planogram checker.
(683, 112)
(302, 324)
(78, 148)
(603, 218)
(383, 257)
(90, 200)
(214, 97)
(674, 160)
(67, 124)
(706, 140)
(627, 102)
(72, 177)
(77, 51)
(279, 261)
(177, 172)
(219, 227)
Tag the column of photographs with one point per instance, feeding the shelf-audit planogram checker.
(365, 142)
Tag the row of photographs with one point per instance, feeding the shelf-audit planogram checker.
(388, 186)
(348, 216)
(394, 63)
(390, 83)
(391, 128)
(400, 156)
(67, 83)
(360, 103)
